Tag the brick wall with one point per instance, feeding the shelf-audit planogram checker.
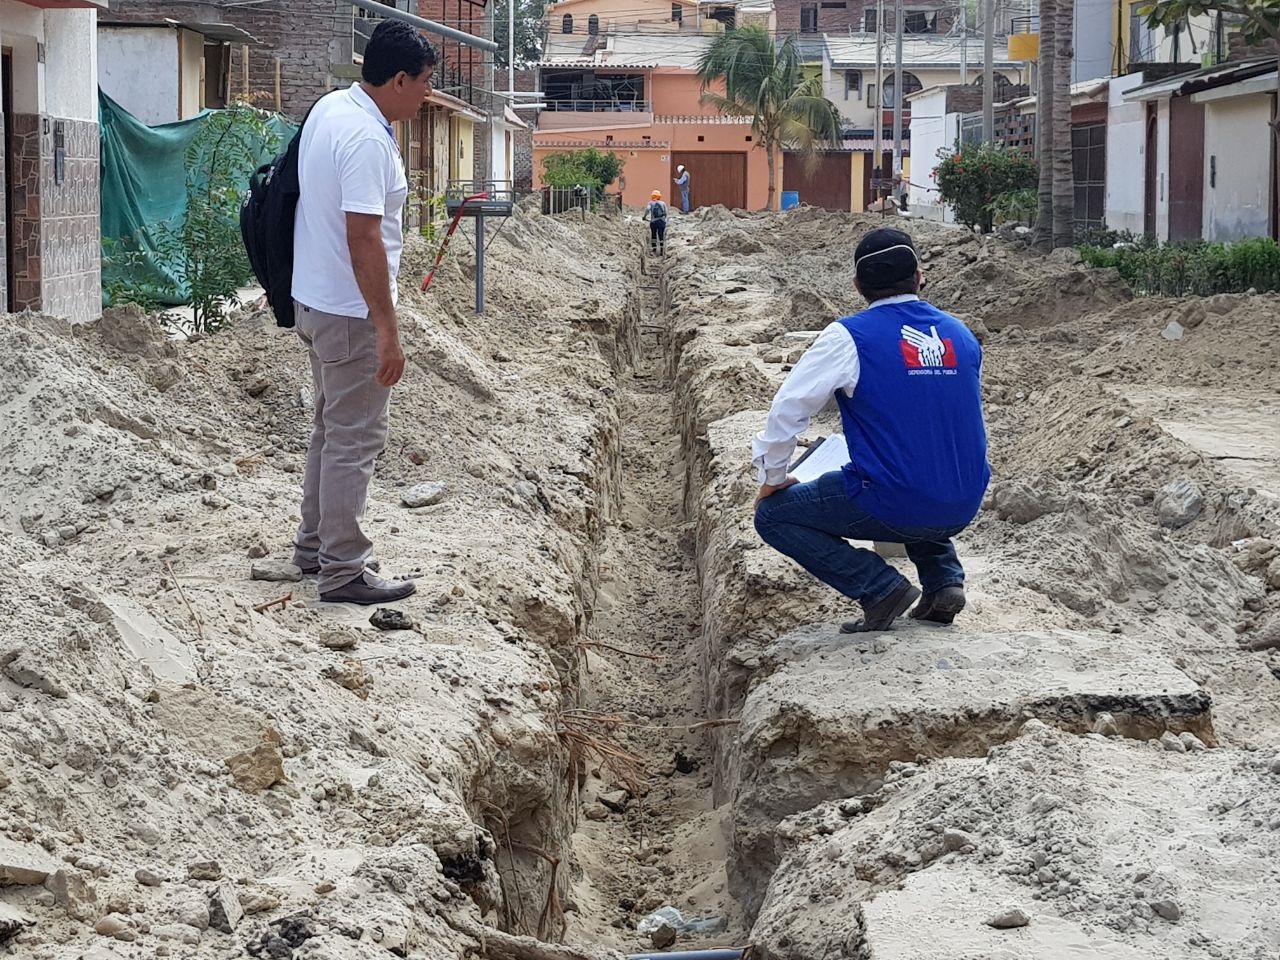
(24, 232)
(312, 43)
(522, 149)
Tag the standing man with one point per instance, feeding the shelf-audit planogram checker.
(906, 378)
(346, 256)
(656, 214)
(682, 181)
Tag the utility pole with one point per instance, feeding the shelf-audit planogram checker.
(879, 98)
(964, 41)
(512, 10)
(490, 97)
(897, 89)
(988, 80)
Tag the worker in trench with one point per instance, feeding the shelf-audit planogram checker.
(656, 214)
(906, 379)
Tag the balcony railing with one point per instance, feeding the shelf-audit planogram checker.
(598, 106)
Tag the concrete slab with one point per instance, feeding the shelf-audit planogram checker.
(838, 709)
(1114, 850)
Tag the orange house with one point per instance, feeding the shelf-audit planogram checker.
(620, 75)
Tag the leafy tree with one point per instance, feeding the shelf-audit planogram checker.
(589, 168)
(766, 82)
(529, 26)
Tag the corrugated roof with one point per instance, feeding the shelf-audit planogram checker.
(917, 52)
(1080, 92)
(1205, 79)
(222, 32)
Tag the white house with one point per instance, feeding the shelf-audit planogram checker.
(48, 78)
(849, 72)
(1207, 169)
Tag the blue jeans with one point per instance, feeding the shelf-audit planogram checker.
(684, 199)
(809, 522)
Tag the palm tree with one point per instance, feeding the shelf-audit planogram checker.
(1055, 220)
(1064, 191)
(1044, 126)
(767, 83)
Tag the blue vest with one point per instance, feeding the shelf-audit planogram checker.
(917, 442)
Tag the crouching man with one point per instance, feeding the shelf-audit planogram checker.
(906, 378)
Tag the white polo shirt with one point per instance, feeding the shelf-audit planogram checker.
(348, 162)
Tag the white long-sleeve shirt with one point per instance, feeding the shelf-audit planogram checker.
(828, 366)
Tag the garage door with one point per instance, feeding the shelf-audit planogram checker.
(713, 178)
(826, 184)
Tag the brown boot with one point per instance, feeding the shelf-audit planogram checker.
(880, 616)
(942, 606)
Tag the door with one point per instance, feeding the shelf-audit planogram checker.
(1149, 180)
(1186, 169)
(822, 184)
(6, 80)
(713, 178)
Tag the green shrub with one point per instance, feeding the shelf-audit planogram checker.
(972, 177)
(1192, 269)
(586, 168)
(1016, 206)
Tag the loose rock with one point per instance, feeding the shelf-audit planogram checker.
(1009, 919)
(1167, 910)
(225, 912)
(275, 571)
(388, 618)
(423, 494)
(205, 870)
(1172, 742)
(147, 877)
(1178, 503)
(255, 770)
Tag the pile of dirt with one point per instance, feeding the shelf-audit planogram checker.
(197, 763)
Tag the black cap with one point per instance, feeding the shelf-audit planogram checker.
(884, 257)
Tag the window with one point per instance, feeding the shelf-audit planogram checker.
(852, 83)
(593, 25)
(869, 21)
(910, 84)
(809, 18)
(834, 5)
(566, 24)
(920, 21)
(677, 13)
(871, 93)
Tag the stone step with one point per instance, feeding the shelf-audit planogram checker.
(838, 709)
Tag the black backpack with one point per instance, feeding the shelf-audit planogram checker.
(266, 226)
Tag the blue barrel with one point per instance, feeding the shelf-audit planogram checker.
(790, 198)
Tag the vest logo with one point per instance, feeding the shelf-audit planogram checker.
(927, 353)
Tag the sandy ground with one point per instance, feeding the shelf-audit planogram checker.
(184, 775)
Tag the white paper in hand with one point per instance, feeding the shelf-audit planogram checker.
(830, 453)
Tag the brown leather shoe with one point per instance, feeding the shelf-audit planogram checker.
(880, 616)
(367, 589)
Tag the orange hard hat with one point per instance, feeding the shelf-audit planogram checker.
(656, 195)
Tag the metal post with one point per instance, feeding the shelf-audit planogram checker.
(512, 9)
(879, 98)
(391, 13)
(988, 80)
(480, 264)
(897, 90)
(964, 41)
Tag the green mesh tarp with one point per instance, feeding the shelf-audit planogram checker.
(144, 184)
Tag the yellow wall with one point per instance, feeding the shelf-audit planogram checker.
(859, 173)
(462, 161)
(191, 73)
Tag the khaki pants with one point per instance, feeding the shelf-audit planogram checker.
(347, 434)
